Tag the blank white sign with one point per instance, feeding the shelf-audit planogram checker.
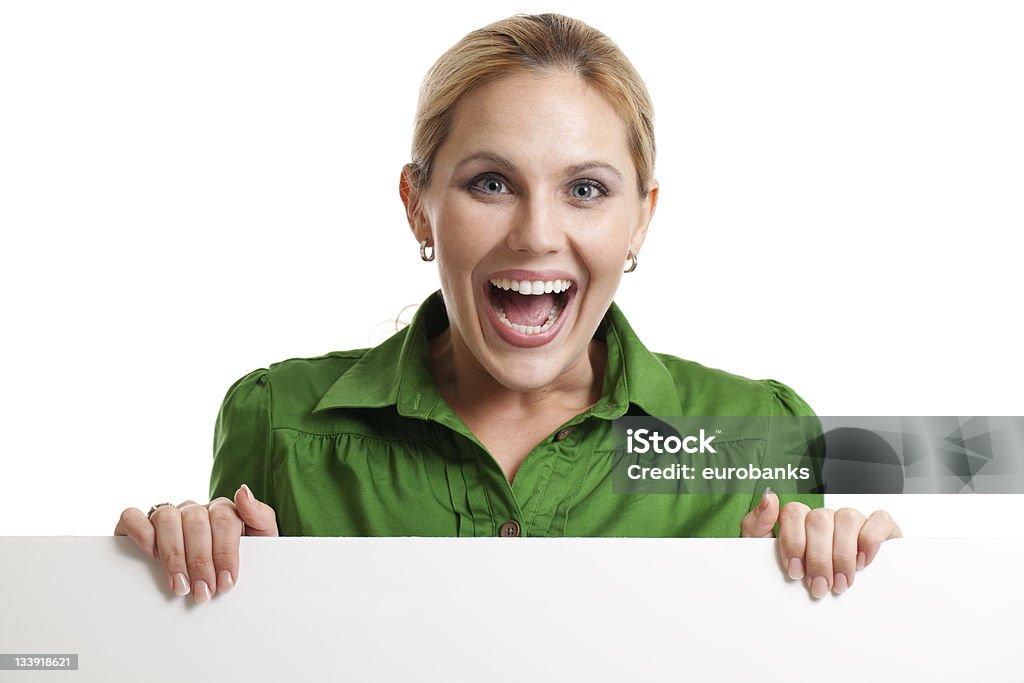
(432, 609)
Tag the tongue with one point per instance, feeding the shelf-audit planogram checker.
(525, 309)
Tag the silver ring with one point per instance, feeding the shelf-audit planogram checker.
(149, 515)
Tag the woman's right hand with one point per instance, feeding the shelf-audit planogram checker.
(198, 544)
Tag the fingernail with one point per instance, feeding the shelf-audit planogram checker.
(248, 493)
(839, 584)
(224, 582)
(766, 497)
(819, 587)
(861, 560)
(181, 586)
(202, 592)
(796, 568)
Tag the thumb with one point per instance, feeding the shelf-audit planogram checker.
(760, 522)
(259, 518)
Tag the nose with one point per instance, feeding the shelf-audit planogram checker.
(537, 226)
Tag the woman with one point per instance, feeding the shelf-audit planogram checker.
(532, 188)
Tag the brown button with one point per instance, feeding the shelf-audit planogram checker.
(562, 434)
(509, 529)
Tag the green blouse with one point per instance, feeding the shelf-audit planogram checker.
(361, 443)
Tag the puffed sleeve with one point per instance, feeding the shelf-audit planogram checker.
(794, 438)
(241, 439)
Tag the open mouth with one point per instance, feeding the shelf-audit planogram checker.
(529, 312)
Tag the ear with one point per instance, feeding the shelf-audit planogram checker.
(647, 207)
(413, 208)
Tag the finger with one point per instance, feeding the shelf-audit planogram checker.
(793, 537)
(879, 528)
(820, 525)
(760, 522)
(226, 527)
(259, 518)
(848, 523)
(170, 547)
(134, 524)
(195, 526)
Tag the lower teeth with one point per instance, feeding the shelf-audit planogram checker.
(529, 329)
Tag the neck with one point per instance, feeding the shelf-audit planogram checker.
(469, 388)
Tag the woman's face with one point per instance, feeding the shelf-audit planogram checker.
(535, 184)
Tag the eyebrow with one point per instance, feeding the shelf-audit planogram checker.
(508, 165)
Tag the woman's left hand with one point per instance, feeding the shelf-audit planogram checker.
(822, 546)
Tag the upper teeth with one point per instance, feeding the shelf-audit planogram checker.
(532, 286)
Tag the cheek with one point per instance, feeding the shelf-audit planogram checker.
(459, 249)
(465, 234)
(605, 246)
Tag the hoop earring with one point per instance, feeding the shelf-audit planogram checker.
(423, 251)
(632, 266)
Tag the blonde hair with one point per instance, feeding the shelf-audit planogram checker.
(535, 43)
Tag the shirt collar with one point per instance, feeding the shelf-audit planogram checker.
(397, 371)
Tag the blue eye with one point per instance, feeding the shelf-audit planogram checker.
(584, 190)
(488, 184)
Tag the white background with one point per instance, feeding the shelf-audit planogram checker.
(190, 191)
